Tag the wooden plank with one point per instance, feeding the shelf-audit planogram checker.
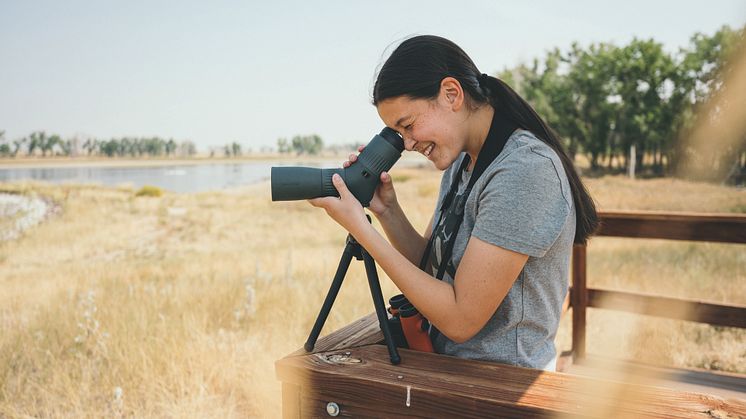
(727, 228)
(363, 331)
(672, 308)
(290, 401)
(579, 301)
(364, 383)
(716, 383)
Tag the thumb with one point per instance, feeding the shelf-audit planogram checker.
(385, 177)
(340, 185)
(386, 180)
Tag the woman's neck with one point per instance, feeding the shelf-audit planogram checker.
(479, 126)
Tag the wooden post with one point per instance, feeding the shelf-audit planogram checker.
(632, 161)
(290, 400)
(579, 300)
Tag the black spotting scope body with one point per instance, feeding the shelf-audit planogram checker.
(361, 178)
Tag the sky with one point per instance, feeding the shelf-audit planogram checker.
(251, 72)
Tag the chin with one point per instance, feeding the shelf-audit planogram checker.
(441, 164)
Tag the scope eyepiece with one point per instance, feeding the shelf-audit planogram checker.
(393, 138)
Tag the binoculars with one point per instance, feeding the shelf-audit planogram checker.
(408, 328)
(361, 178)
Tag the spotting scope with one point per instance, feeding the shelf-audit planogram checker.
(361, 178)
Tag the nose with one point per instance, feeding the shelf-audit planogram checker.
(409, 143)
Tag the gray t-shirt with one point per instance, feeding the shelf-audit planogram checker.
(522, 202)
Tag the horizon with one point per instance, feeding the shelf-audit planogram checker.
(253, 73)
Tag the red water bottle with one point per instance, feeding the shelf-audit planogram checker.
(415, 329)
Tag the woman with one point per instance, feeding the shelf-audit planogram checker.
(504, 226)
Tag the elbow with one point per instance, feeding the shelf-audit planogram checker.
(461, 333)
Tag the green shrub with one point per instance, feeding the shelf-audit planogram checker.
(148, 190)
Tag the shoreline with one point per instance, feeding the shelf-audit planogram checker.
(409, 159)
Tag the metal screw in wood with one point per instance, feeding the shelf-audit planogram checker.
(332, 409)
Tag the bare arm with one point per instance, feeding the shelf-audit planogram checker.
(483, 279)
(403, 235)
(484, 276)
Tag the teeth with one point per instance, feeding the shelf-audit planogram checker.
(428, 150)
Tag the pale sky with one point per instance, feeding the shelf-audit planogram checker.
(219, 71)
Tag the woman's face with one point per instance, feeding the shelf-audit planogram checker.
(429, 126)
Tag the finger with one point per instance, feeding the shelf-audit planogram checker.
(352, 158)
(385, 177)
(346, 163)
(359, 149)
(340, 185)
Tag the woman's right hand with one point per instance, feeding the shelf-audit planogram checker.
(384, 198)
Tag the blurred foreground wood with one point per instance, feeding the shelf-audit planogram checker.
(349, 373)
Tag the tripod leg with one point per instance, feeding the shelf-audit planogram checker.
(344, 263)
(375, 291)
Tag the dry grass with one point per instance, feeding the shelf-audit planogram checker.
(178, 305)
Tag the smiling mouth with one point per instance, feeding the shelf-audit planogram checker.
(428, 150)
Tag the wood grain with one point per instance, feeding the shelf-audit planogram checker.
(672, 308)
(726, 228)
(363, 383)
(363, 331)
(579, 301)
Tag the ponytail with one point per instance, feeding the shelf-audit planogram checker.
(505, 100)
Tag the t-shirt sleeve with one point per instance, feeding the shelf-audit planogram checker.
(522, 206)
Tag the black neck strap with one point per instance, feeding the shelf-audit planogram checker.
(500, 130)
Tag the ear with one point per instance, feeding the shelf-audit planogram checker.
(452, 93)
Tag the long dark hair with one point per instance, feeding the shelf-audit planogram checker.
(418, 65)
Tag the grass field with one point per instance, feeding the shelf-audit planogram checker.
(179, 305)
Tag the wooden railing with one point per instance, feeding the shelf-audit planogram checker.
(724, 228)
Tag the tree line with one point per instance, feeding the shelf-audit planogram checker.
(40, 143)
(301, 144)
(605, 99)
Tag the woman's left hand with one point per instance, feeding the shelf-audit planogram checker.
(345, 210)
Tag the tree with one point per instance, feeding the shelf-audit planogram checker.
(66, 147)
(4, 146)
(90, 145)
(642, 68)
(18, 145)
(36, 140)
(170, 147)
(283, 146)
(47, 146)
(307, 144)
(236, 149)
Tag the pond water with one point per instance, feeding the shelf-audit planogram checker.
(179, 178)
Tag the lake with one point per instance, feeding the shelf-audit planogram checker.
(174, 178)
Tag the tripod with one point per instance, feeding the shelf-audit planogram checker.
(353, 248)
